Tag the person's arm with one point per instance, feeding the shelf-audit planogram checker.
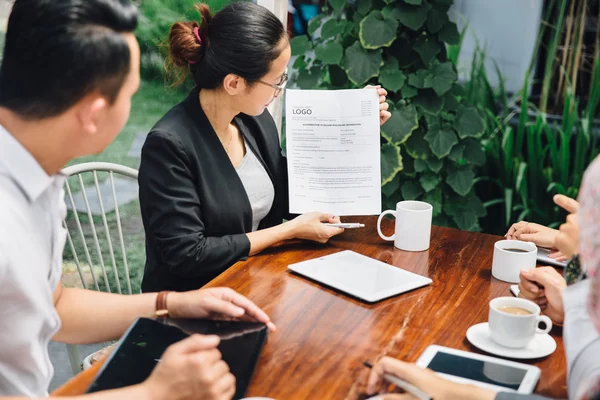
(581, 340)
(92, 317)
(172, 209)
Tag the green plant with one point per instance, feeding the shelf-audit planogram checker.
(431, 145)
(533, 158)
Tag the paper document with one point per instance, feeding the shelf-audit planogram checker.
(333, 151)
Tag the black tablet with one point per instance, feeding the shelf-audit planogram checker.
(146, 340)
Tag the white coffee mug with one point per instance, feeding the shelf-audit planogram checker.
(515, 330)
(512, 256)
(413, 225)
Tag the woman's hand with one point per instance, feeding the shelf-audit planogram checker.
(384, 114)
(537, 234)
(311, 226)
(544, 287)
(426, 380)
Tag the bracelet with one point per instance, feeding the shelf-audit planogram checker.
(161, 305)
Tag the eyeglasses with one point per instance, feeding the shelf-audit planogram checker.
(279, 86)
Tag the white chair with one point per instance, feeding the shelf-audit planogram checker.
(75, 174)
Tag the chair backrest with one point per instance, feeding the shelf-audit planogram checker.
(98, 205)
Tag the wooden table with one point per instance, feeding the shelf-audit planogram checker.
(324, 336)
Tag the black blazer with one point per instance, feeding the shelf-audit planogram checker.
(194, 207)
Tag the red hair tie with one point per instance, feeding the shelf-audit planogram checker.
(197, 34)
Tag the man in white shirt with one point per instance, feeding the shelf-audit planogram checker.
(69, 71)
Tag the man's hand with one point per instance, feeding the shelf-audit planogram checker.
(215, 303)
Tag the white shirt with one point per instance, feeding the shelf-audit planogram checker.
(258, 185)
(31, 244)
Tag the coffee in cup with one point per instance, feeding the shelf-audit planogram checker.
(514, 322)
(512, 256)
(514, 310)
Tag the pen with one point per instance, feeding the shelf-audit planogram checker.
(346, 225)
(408, 388)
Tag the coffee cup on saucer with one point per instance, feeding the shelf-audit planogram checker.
(512, 256)
(514, 322)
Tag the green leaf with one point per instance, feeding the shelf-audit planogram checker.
(391, 12)
(469, 123)
(461, 180)
(403, 122)
(416, 145)
(420, 166)
(390, 188)
(429, 182)
(300, 45)
(434, 164)
(427, 48)
(436, 20)
(414, 2)
(443, 77)
(456, 154)
(475, 204)
(329, 53)
(330, 29)
(337, 5)
(466, 220)
(315, 24)
(300, 63)
(473, 152)
(377, 31)
(413, 17)
(451, 102)
(391, 162)
(420, 79)
(392, 79)
(449, 34)
(364, 6)
(360, 64)
(435, 199)
(441, 141)
(409, 91)
(337, 76)
(429, 102)
(411, 190)
(308, 79)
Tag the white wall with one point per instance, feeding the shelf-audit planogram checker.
(507, 29)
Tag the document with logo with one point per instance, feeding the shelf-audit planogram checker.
(333, 151)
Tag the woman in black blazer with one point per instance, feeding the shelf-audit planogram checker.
(213, 181)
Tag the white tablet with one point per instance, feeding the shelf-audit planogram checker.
(360, 276)
(542, 256)
(479, 370)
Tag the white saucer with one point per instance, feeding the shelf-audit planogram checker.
(542, 344)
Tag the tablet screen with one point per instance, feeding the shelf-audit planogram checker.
(142, 346)
(478, 370)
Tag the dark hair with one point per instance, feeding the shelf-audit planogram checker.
(58, 51)
(242, 39)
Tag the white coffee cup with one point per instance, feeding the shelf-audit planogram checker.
(507, 264)
(413, 225)
(515, 330)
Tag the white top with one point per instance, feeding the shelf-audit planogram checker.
(31, 245)
(258, 185)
